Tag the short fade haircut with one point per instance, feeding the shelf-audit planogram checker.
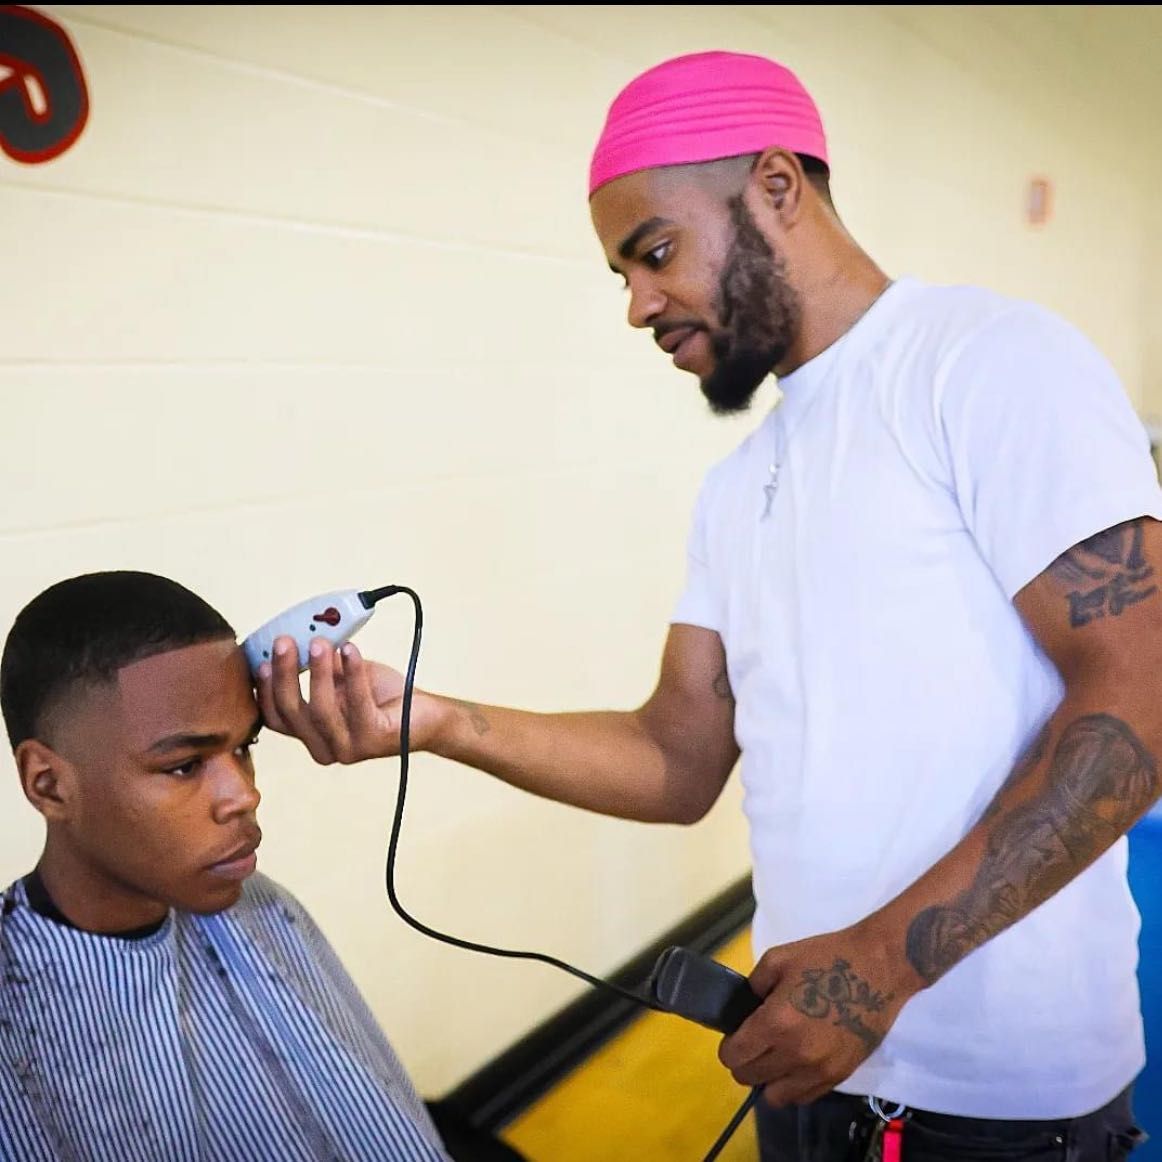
(81, 631)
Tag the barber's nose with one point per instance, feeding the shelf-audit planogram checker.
(646, 302)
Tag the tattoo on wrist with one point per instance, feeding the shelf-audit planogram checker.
(476, 716)
(1107, 573)
(722, 686)
(839, 993)
(1100, 780)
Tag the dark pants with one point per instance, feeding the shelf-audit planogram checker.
(833, 1128)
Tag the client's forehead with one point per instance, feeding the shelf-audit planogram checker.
(190, 672)
(203, 689)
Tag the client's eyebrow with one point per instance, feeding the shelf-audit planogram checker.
(199, 741)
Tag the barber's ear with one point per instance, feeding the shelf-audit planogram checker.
(779, 185)
(45, 778)
(780, 178)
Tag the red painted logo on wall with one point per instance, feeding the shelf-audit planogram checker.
(44, 102)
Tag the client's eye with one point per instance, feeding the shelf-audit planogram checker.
(185, 770)
(244, 750)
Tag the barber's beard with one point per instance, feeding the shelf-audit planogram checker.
(758, 313)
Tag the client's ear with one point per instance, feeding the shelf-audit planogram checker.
(45, 778)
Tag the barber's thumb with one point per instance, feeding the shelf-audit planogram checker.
(769, 971)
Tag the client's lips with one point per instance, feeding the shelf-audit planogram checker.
(241, 861)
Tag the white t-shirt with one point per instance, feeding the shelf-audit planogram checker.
(931, 462)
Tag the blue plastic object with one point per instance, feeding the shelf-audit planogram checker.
(1146, 884)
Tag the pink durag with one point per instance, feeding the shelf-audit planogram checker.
(703, 107)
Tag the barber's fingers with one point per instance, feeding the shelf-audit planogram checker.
(349, 712)
(264, 683)
(280, 698)
(769, 1068)
(750, 1043)
(323, 702)
(784, 1080)
(367, 721)
(770, 970)
(277, 682)
(794, 1090)
(768, 1024)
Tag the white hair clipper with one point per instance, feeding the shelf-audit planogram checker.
(335, 617)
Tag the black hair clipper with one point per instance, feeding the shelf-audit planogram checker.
(701, 990)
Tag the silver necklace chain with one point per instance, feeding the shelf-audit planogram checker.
(771, 487)
(772, 483)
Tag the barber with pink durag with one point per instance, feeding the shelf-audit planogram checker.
(920, 620)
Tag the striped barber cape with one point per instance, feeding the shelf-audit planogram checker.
(237, 1037)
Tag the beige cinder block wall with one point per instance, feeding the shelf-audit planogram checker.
(314, 303)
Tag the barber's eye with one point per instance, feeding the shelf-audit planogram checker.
(656, 255)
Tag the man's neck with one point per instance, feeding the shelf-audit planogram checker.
(91, 909)
(841, 290)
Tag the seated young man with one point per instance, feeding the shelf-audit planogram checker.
(160, 1000)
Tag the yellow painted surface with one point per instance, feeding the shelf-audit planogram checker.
(656, 1091)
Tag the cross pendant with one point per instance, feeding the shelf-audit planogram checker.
(769, 490)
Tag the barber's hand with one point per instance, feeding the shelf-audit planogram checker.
(829, 1001)
(353, 709)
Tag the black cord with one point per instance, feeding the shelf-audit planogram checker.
(369, 598)
(393, 844)
(735, 1122)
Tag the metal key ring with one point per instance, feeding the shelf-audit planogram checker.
(877, 1108)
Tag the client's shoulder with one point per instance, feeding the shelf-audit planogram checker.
(267, 898)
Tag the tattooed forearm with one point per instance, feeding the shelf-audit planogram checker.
(1101, 778)
(1106, 574)
(1027, 764)
(476, 716)
(722, 686)
(839, 993)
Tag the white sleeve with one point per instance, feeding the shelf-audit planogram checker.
(1045, 446)
(699, 604)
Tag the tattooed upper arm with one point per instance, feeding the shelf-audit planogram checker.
(1100, 596)
(1106, 574)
